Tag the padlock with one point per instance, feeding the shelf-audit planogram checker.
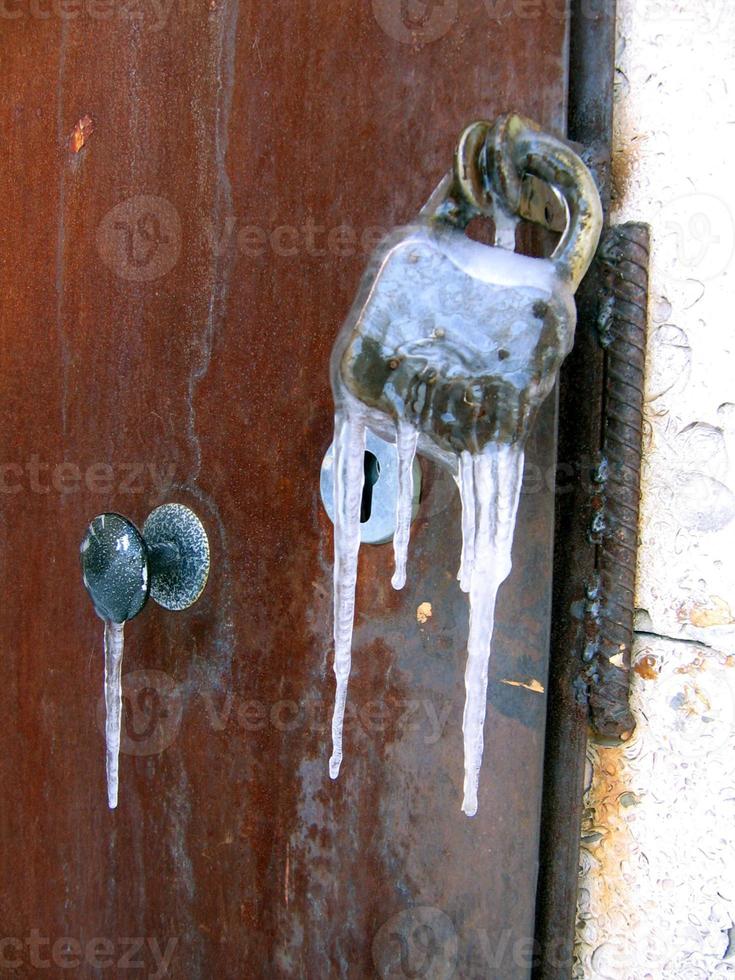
(450, 348)
(462, 340)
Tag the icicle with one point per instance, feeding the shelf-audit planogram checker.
(467, 496)
(498, 473)
(349, 474)
(505, 228)
(114, 642)
(406, 439)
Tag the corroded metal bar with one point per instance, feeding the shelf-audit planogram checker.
(623, 331)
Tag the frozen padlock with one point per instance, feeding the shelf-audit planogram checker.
(460, 340)
(450, 348)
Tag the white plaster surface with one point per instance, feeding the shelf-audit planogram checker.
(657, 885)
(657, 878)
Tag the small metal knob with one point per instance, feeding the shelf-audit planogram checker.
(122, 566)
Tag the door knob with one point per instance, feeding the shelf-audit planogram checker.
(121, 568)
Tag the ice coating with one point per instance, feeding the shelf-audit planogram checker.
(449, 350)
(350, 427)
(406, 440)
(491, 483)
(349, 475)
(505, 228)
(461, 341)
(114, 643)
(466, 482)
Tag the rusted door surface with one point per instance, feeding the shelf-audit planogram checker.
(191, 189)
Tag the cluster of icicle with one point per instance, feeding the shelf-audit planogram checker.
(489, 483)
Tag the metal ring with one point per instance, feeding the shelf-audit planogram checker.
(490, 162)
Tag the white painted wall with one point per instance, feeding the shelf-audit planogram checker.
(657, 886)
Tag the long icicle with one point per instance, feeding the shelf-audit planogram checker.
(114, 643)
(467, 496)
(498, 473)
(406, 439)
(349, 475)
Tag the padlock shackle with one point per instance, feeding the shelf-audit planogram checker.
(490, 162)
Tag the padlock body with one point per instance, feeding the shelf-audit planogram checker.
(460, 339)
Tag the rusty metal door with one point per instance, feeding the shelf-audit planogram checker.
(192, 190)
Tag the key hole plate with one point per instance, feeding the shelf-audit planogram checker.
(380, 490)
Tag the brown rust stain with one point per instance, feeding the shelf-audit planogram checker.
(623, 163)
(605, 833)
(715, 611)
(647, 667)
(695, 702)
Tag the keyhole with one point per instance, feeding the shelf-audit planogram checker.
(379, 490)
(372, 472)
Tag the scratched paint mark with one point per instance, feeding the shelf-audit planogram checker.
(424, 613)
(287, 872)
(620, 659)
(533, 685)
(81, 133)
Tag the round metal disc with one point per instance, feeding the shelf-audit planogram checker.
(381, 524)
(179, 583)
(115, 567)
